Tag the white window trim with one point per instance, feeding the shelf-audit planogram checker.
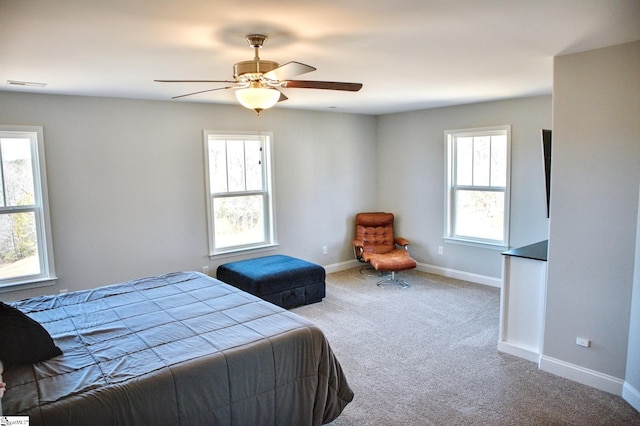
(43, 229)
(448, 192)
(271, 199)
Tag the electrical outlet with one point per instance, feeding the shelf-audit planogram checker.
(324, 250)
(583, 341)
(440, 250)
(62, 291)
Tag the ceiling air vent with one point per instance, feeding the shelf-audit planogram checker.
(26, 83)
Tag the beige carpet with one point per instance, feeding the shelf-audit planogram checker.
(427, 356)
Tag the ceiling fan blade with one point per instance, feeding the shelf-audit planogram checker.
(195, 81)
(202, 91)
(282, 97)
(328, 85)
(288, 70)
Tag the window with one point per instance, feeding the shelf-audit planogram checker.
(477, 193)
(26, 254)
(239, 191)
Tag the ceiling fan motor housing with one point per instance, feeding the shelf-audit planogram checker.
(252, 70)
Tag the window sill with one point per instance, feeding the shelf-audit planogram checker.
(474, 243)
(28, 284)
(240, 252)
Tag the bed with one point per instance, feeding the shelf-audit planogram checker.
(179, 349)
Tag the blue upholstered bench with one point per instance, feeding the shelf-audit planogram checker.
(283, 280)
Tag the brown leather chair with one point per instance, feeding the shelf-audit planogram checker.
(376, 244)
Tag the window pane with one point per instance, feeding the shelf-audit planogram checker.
(17, 172)
(240, 210)
(18, 245)
(238, 220)
(253, 155)
(217, 165)
(481, 163)
(478, 185)
(499, 160)
(235, 165)
(479, 214)
(464, 160)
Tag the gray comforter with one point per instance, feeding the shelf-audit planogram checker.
(181, 348)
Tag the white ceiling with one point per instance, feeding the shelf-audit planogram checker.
(409, 54)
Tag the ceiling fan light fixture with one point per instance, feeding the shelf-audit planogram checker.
(258, 98)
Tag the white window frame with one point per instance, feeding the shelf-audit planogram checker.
(269, 242)
(450, 137)
(40, 208)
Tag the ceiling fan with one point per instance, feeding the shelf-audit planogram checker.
(256, 82)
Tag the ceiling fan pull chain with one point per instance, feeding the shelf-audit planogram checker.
(259, 125)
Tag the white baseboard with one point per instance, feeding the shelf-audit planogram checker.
(341, 266)
(432, 269)
(579, 374)
(631, 395)
(460, 275)
(518, 351)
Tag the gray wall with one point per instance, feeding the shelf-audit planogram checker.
(411, 177)
(126, 182)
(594, 206)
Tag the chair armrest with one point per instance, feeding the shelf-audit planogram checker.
(402, 241)
(357, 243)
